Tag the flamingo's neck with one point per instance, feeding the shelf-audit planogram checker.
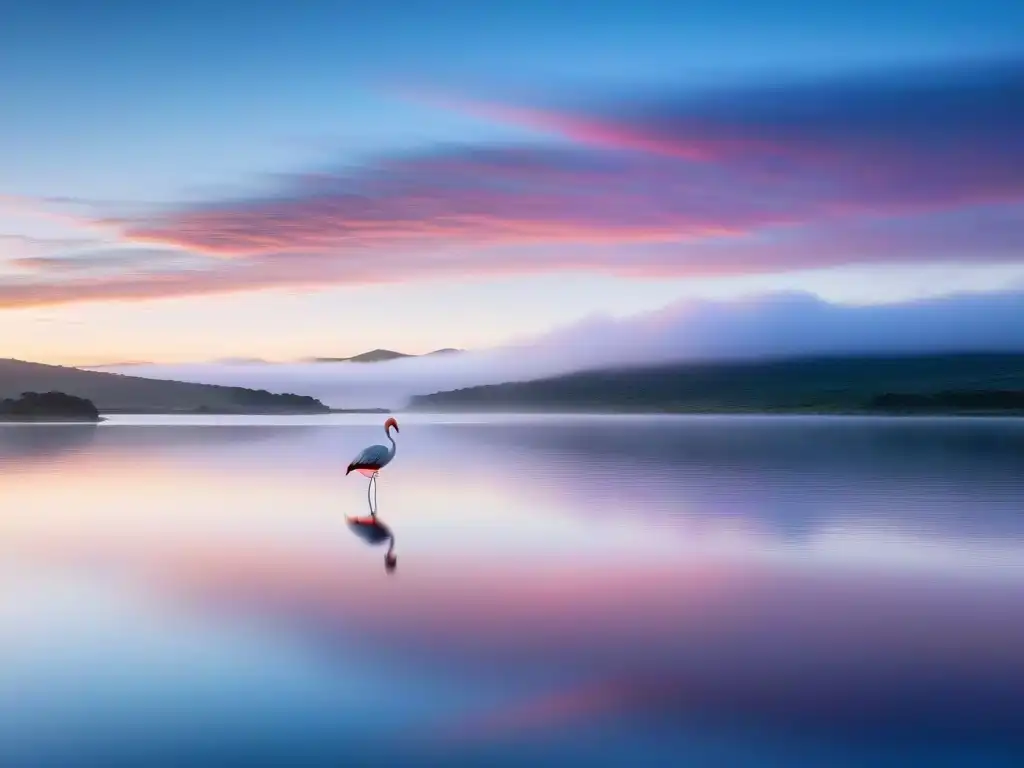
(394, 445)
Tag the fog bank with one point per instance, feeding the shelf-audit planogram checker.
(771, 325)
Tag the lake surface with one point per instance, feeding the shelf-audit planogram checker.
(720, 591)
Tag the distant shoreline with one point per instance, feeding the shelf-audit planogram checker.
(4, 419)
(909, 385)
(210, 412)
(48, 420)
(235, 411)
(121, 394)
(43, 419)
(716, 412)
(8, 421)
(142, 412)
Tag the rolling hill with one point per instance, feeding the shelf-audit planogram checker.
(112, 392)
(928, 383)
(380, 356)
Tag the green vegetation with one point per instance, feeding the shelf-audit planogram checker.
(48, 406)
(115, 393)
(995, 400)
(952, 383)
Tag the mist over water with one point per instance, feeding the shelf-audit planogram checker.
(773, 325)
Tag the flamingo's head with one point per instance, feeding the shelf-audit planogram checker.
(390, 562)
(391, 422)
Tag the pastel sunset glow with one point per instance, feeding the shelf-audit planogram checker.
(329, 179)
(703, 323)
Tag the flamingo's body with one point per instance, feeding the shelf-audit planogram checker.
(372, 460)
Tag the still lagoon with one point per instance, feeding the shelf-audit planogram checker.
(721, 591)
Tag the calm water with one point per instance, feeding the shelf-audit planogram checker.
(619, 591)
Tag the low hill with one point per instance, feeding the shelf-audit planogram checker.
(380, 356)
(373, 356)
(927, 383)
(48, 406)
(445, 351)
(111, 392)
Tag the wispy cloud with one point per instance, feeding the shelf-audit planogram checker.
(478, 196)
(915, 168)
(22, 247)
(137, 261)
(52, 210)
(959, 123)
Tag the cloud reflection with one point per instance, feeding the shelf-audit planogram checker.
(764, 648)
(24, 445)
(652, 635)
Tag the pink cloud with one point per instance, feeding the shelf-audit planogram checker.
(734, 183)
(500, 197)
(607, 133)
(668, 169)
(991, 234)
(963, 122)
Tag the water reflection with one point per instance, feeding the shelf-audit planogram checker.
(789, 474)
(23, 444)
(373, 530)
(612, 592)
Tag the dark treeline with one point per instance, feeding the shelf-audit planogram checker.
(964, 382)
(965, 400)
(57, 405)
(261, 398)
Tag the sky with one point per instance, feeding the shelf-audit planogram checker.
(184, 183)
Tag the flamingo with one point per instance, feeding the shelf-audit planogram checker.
(371, 530)
(372, 459)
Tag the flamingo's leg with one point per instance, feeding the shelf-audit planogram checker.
(369, 485)
(374, 481)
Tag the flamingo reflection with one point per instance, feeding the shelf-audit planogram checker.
(373, 531)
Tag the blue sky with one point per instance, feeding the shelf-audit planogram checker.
(238, 153)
